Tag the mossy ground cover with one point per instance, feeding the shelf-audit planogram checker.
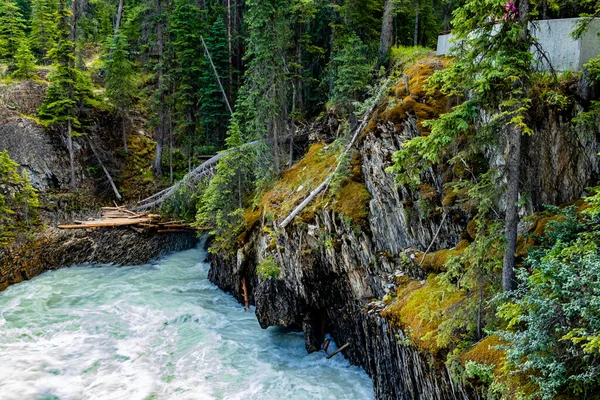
(420, 308)
(137, 180)
(418, 101)
(350, 200)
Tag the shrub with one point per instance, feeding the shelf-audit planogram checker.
(268, 268)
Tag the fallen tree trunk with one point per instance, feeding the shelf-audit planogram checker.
(110, 179)
(199, 172)
(328, 180)
(344, 347)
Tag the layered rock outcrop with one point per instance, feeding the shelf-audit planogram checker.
(332, 271)
(43, 156)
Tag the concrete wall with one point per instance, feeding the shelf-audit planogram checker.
(564, 52)
(443, 44)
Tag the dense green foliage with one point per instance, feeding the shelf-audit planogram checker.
(24, 61)
(120, 81)
(18, 200)
(69, 88)
(12, 30)
(43, 27)
(553, 324)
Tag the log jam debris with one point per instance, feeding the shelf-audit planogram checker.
(120, 216)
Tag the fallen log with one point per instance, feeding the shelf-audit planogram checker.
(106, 223)
(201, 171)
(327, 181)
(326, 345)
(246, 297)
(344, 347)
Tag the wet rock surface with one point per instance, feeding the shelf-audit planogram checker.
(54, 249)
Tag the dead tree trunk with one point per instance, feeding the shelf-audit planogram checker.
(124, 127)
(108, 177)
(512, 212)
(513, 164)
(71, 154)
(209, 58)
(417, 15)
(118, 17)
(387, 30)
(156, 167)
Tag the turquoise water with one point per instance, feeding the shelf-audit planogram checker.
(158, 331)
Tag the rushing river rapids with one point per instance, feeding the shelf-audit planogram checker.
(159, 331)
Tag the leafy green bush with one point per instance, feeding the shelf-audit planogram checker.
(268, 268)
(18, 200)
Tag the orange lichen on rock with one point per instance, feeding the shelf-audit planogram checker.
(419, 101)
(352, 200)
(297, 182)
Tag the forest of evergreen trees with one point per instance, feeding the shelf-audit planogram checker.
(243, 75)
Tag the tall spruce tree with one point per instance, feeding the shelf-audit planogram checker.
(24, 61)
(12, 30)
(186, 26)
(69, 89)
(120, 80)
(262, 103)
(213, 109)
(43, 27)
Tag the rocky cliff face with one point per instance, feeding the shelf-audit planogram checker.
(43, 156)
(43, 151)
(332, 271)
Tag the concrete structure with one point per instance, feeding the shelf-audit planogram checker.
(554, 35)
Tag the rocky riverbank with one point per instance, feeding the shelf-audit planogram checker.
(53, 249)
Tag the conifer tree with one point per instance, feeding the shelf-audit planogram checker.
(262, 102)
(24, 61)
(12, 27)
(68, 87)
(43, 27)
(120, 80)
(351, 72)
(186, 25)
(213, 110)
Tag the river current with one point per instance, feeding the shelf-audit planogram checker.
(158, 331)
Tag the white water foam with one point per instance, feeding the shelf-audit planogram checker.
(159, 331)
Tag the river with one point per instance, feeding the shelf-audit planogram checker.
(158, 331)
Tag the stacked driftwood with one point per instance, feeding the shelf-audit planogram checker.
(120, 216)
